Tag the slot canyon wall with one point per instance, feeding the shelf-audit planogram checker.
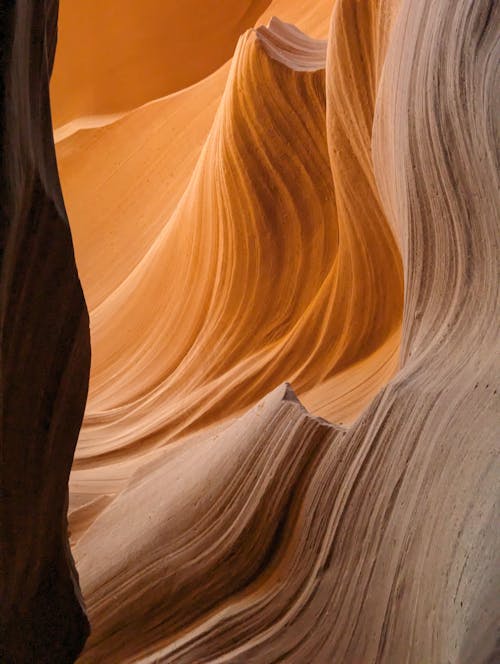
(289, 451)
(45, 355)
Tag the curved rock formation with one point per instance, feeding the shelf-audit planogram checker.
(260, 252)
(45, 356)
(373, 542)
(237, 243)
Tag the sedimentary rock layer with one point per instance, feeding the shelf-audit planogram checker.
(279, 536)
(45, 355)
(214, 518)
(251, 267)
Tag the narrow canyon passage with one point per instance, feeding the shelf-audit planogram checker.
(285, 226)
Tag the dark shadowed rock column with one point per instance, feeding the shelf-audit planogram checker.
(45, 354)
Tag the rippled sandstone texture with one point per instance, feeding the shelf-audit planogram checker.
(279, 536)
(272, 264)
(255, 229)
(45, 356)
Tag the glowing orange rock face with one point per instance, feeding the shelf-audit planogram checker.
(264, 278)
(289, 223)
(113, 56)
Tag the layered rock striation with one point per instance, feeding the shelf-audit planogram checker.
(290, 448)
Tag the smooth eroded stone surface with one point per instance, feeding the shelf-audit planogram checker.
(316, 223)
(336, 178)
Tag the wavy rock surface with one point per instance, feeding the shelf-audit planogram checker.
(45, 356)
(279, 536)
(326, 178)
(302, 338)
(238, 242)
